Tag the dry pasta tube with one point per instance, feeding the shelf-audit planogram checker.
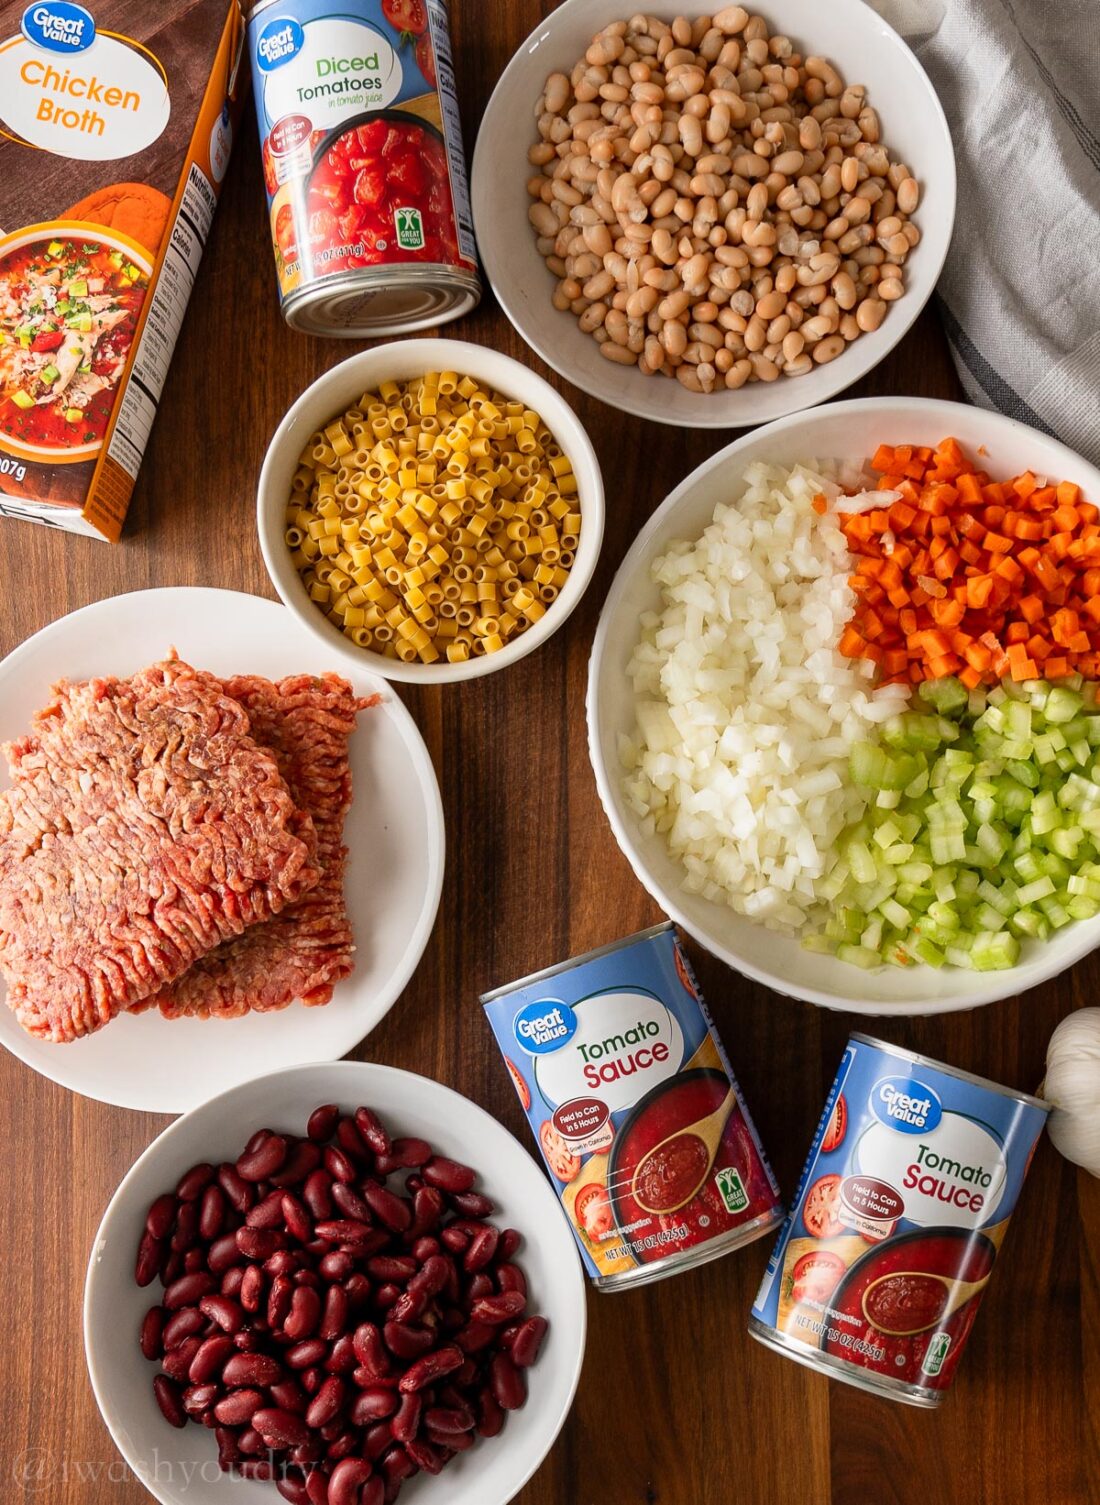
(433, 519)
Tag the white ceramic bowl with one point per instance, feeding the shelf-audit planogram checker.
(846, 431)
(864, 50)
(180, 1467)
(335, 392)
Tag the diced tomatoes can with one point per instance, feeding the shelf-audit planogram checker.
(904, 1201)
(363, 166)
(636, 1110)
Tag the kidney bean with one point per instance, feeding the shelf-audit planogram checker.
(471, 1204)
(358, 1289)
(282, 1262)
(237, 1190)
(334, 1314)
(448, 1175)
(172, 1266)
(252, 1289)
(223, 1254)
(232, 1281)
(389, 1209)
(372, 1130)
(528, 1341)
(339, 1165)
(249, 1339)
(229, 1315)
(449, 1418)
(212, 1213)
(511, 1278)
(413, 1184)
(259, 1243)
(428, 1208)
(278, 1301)
(425, 1247)
(268, 1213)
(303, 1355)
(510, 1241)
(152, 1333)
(311, 1379)
(508, 1385)
(373, 1491)
(251, 1369)
(344, 1231)
(501, 1308)
(228, 1451)
(304, 1314)
(210, 1359)
(255, 1468)
(188, 1290)
(199, 1398)
(194, 1182)
(406, 1341)
(322, 1122)
(169, 1399)
(264, 1159)
(161, 1217)
(327, 1403)
(376, 1439)
(350, 1203)
(374, 1403)
(303, 1160)
(308, 1452)
(250, 1441)
(457, 1240)
(194, 1259)
(290, 1396)
(177, 1362)
(482, 1249)
(149, 1255)
(475, 1336)
(397, 1465)
(187, 1228)
(341, 1359)
(346, 1480)
(343, 1446)
(317, 1488)
(317, 1193)
(336, 1264)
(425, 1456)
(183, 1324)
(431, 1367)
(370, 1351)
(351, 1141)
(296, 1218)
(391, 1267)
(292, 1489)
(479, 1285)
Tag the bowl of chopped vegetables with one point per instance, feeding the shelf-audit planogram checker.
(844, 706)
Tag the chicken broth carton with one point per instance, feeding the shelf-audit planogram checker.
(116, 121)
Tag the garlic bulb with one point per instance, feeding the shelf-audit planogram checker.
(1073, 1086)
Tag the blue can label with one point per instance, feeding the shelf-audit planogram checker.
(615, 1060)
(912, 1177)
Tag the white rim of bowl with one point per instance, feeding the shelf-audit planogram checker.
(114, 1424)
(909, 308)
(993, 992)
(592, 508)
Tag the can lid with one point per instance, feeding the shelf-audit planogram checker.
(955, 1071)
(359, 305)
(577, 961)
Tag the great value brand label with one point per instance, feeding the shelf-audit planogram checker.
(908, 1187)
(614, 1058)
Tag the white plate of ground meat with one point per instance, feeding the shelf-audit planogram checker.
(202, 1035)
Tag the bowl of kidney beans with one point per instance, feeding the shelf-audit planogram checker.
(341, 1305)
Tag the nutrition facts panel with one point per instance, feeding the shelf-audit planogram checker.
(162, 326)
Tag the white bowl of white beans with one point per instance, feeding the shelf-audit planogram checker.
(431, 510)
(719, 220)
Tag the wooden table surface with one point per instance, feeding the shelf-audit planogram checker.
(677, 1406)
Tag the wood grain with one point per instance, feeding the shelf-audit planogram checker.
(677, 1406)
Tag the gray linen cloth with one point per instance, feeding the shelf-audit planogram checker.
(1019, 81)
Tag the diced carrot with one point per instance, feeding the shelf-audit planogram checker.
(820, 505)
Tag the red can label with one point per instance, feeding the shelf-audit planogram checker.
(362, 153)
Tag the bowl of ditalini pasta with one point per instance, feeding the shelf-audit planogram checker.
(430, 509)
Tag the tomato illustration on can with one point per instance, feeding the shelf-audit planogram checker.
(363, 166)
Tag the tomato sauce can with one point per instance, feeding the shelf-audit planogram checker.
(903, 1204)
(614, 1057)
(363, 166)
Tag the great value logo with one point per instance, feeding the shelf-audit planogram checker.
(906, 1104)
(544, 1026)
(59, 26)
(280, 40)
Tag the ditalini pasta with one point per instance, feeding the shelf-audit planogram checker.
(434, 519)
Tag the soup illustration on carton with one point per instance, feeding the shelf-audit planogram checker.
(134, 106)
(638, 1116)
